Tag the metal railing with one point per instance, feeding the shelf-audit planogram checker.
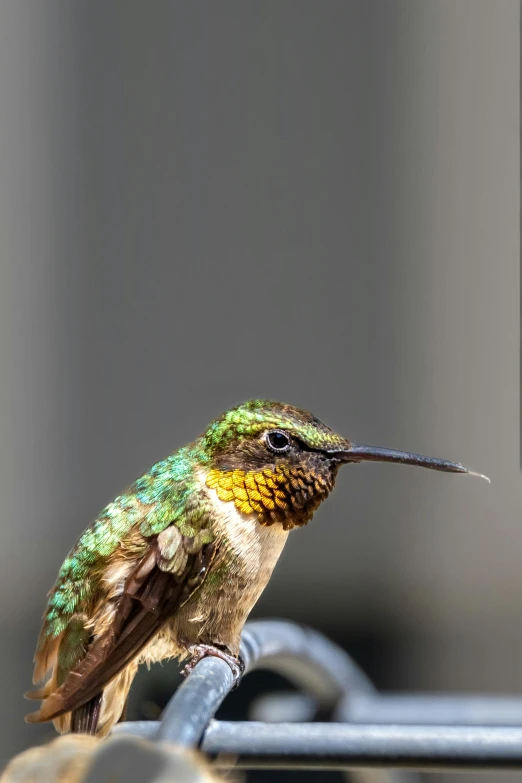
(370, 730)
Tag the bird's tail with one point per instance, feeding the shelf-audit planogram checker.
(98, 715)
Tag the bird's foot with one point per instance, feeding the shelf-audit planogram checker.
(200, 651)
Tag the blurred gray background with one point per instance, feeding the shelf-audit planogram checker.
(316, 202)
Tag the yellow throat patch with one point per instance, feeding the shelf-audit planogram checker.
(286, 495)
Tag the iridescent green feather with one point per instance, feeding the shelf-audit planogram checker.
(163, 496)
(255, 416)
(72, 648)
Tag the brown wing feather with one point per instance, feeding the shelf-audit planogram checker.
(150, 597)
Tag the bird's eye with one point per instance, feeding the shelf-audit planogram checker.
(278, 441)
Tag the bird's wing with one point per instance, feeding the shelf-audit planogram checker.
(173, 567)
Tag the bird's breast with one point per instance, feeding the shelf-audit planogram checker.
(251, 549)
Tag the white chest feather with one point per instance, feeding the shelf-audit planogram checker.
(257, 547)
(253, 547)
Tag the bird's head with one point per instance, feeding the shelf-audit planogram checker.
(280, 462)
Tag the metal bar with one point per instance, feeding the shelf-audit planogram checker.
(195, 703)
(341, 746)
(283, 707)
(403, 708)
(432, 709)
(147, 729)
(304, 656)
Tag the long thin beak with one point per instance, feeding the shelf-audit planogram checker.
(359, 453)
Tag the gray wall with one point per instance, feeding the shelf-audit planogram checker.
(315, 202)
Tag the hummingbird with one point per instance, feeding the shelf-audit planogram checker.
(174, 565)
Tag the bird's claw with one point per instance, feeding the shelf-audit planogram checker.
(200, 651)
